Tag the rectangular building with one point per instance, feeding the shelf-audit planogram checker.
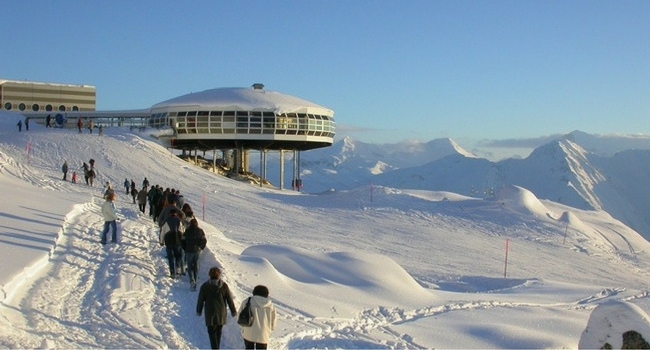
(29, 96)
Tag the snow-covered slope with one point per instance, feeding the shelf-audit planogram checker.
(371, 267)
(349, 164)
(561, 171)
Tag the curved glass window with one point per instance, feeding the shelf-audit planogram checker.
(22, 106)
(8, 106)
(61, 108)
(35, 107)
(48, 108)
(75, 108)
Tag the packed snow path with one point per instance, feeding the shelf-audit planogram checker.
(95, 295)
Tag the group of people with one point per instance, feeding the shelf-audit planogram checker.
(88, 168)
(20, 125)
(184, 240)
(48, 124)
(91, 125)
(215, 297)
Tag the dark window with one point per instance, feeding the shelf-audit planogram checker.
(35, 107)
(22, 106)
(48, 108)
(8, 106)
(75, 108)
(61, 108)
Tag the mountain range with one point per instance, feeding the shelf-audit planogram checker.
(591, 172)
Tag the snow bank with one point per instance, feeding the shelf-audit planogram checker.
(521, 200)
(348, 277)
(609, 321)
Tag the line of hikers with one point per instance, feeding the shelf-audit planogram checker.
(184, 241)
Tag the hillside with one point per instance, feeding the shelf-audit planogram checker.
(578, 169)
(371, 267)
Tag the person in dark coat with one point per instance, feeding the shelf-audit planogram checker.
(86, 172)
(153, 197)
(170, 237)
(26, 124)
(20, 125)
(215, 296)
(64, 169)
(127, 185)
(48, 121)
(193, 243)
(134, 191)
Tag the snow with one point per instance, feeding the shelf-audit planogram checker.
(371, 267)
(245, 99)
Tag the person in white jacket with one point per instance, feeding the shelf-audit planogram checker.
(110, 218)
(258, 335)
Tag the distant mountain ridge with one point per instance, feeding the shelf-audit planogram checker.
(584, 171)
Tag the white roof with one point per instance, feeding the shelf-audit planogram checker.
(245, 99)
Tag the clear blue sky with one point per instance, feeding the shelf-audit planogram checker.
(391, 70)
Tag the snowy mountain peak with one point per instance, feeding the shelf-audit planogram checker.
(607, 145)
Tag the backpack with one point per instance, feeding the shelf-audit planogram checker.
(173, 236)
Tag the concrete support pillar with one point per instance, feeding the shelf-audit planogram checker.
(262, 167)
(296, 182)
(214, 160)
(245, 165)
(281, 169)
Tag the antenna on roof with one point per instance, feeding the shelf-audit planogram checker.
(258, 86)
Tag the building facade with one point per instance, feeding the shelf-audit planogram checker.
(28, 96)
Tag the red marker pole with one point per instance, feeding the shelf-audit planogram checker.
(505, 269)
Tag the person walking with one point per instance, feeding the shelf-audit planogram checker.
(48, 121)
(20, 125)
(152, 196)
(64, 169)
(142, 199)
(215, 296)
(26, 124)
(80, 124)
(86, 172)
(134, 191)
(193, 243)
(74, 177)
(110, 218)
(170, 237)
(258, 335)
(91, 124)
(108, 189)
(127, 185)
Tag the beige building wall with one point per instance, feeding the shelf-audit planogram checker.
(44, 97)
